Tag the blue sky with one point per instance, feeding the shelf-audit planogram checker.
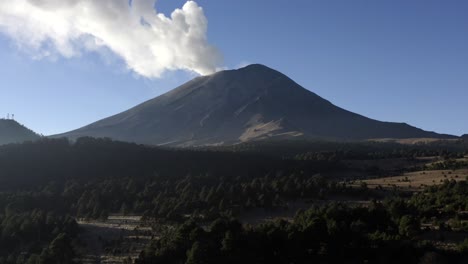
(403, 61)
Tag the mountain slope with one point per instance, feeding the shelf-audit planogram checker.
(252, 103)
(13, 132)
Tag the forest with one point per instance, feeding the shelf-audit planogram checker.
(194, 201)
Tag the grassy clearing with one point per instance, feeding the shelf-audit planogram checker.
(415, 181)
(119, 239)
(412, 141)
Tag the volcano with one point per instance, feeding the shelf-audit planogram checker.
(234, 106)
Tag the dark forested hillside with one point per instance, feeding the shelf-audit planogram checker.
(380, 233)
(352, 150)
(13, 132)
(59, 160)
(46, 185)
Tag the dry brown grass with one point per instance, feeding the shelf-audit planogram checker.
(411, 141)
(415, 181)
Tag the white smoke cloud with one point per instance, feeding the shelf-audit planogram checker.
(149, 42)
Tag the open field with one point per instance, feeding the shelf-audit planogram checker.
(117, 240)
(391, 164)
(412, 141)
(415, 181)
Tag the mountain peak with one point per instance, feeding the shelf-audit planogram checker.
(258, 69)
(251, 103)
(255, 66)
(9, 123)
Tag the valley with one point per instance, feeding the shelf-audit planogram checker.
(117, 202)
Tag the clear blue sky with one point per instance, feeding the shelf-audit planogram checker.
(398, 60)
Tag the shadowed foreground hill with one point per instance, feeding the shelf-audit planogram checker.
(248, 104)
(13, 132)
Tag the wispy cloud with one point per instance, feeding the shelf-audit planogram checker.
(149, 42)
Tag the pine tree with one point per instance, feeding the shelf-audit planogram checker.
(197, 254)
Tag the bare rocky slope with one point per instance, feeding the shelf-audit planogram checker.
(251, 103)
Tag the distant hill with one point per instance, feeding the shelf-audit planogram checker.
(249, 104)
(465, 136)
(13, 132)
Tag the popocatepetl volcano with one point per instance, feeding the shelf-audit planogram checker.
(233, 106)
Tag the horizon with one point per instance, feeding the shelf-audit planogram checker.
(175, 131)
(403, 62)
